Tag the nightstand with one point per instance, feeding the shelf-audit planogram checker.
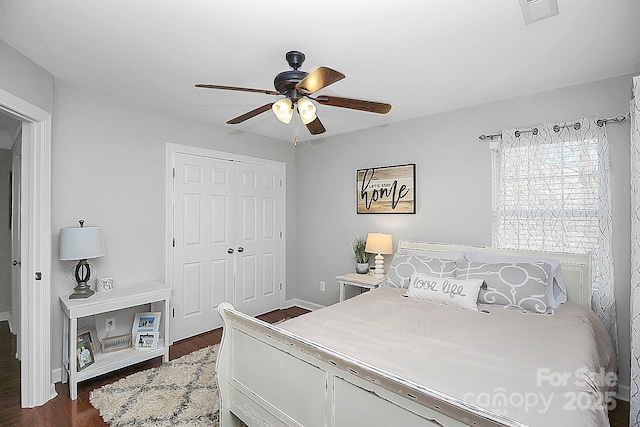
(363, 281)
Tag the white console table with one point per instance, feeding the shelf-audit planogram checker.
(154, 293)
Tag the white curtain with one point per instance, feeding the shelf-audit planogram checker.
(551, 192)
(634, 417)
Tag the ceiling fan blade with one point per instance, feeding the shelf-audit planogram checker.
(241, 89)
(316, 127)
(252, 113)
(354, 104)
(320, 78)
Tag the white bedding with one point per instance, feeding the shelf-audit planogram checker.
(525, 366)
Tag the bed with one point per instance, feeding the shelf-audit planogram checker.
(384, 359)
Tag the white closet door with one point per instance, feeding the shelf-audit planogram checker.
(228, 240)
(258, 238)
(204, 232)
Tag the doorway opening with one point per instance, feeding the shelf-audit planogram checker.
(34, 340)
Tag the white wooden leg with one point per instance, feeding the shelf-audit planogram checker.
(73, 359)
(65, 349)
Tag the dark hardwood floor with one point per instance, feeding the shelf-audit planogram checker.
(63, 412)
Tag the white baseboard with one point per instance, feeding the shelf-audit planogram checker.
(301, 303)
(5, 316)
(56, 375)
(624, 393)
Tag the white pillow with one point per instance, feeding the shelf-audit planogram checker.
(556, 289)
(445, 290)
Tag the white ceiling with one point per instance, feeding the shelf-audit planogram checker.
(423, 57)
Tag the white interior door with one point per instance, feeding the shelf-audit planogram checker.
(16, 171)
(228, 240)
(258, 232)
(203, 233)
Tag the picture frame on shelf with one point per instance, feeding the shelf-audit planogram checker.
(105, 284)
(120, 342)
(94, 341)
(147, 341)
(146, 322)
(84, 354)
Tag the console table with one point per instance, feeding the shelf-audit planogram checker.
(154, 293)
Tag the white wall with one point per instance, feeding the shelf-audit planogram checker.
(25, 79)
(453, 184)
(108, 168)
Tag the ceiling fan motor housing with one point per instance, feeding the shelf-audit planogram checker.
(286, 81)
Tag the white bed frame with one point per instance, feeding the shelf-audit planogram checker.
(270, 377)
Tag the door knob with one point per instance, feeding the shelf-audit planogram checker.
(230, 250)
(240, 249)
(16, 262)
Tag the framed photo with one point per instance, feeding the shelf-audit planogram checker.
(94, 342)
(84, 354)
(105, 284)
(120, 342)
(388, 189)
(146, 322)
(147, 340)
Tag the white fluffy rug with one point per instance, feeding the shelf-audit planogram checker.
(183, 392)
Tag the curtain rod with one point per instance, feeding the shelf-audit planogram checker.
(618, 119)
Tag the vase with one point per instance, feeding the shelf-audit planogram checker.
(362, 267)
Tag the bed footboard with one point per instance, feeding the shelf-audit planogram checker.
(270, 377)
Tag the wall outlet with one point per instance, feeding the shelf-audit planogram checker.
(322, 288)
(110, 324)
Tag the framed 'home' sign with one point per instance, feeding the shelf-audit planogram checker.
(389, 189)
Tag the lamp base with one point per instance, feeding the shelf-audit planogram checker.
(379, 270)
(83, 290)
(81, 273)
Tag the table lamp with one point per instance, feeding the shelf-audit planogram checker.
(80, 244)
(379, 243)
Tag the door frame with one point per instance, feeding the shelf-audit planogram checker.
(35, 302)
(171, 149)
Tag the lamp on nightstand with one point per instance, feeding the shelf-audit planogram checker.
(80, 244)
(379, 244)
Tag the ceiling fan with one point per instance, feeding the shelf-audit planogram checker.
(297, 86)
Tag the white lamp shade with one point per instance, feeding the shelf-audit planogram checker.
(282, 109)
(379, 243)
(78, 243)
(307, 111)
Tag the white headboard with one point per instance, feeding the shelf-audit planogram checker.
(576, 269)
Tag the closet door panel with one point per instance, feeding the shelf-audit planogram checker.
(204, 233)
(259, 237)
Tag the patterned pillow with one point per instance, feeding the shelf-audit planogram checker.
(518, 284)
(403, 266)
(445, 290)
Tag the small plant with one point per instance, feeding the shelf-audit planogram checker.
(358, 244)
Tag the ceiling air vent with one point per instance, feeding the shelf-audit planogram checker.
(537, 10)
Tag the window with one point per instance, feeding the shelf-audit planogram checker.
(547, 197)
(551, 192)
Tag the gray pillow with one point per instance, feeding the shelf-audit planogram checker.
(404, 265)
(517, 284)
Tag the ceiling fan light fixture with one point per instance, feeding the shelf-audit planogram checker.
(283, 110)
(307, 111)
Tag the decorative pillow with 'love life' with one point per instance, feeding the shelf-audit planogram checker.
(445, 290)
